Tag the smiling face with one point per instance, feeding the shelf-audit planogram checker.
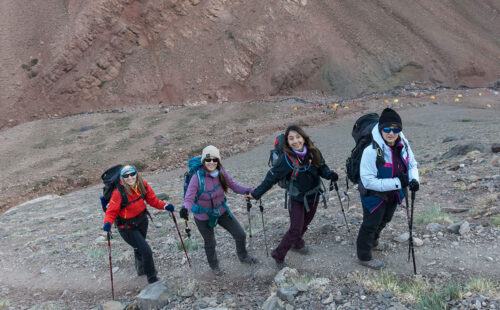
(130, 178)
(295, 140)
(391, 137)
(211, 164)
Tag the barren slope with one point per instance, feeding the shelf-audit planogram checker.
(100, 54)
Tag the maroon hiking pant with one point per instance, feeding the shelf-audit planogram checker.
(299, 221)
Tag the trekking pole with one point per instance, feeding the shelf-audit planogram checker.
(249, 206)
(187, 229)
(263, 226)
(180, 237)
(409, 214)
(110, 266)
(341, 206)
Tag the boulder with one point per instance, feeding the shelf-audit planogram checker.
(273, 303)
(156, 295)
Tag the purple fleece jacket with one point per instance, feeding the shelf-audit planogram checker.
(218, 196)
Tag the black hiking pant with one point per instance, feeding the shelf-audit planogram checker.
(372, 226)
(136, 237)
(233, 227)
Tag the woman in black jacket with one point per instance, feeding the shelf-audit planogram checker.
(301, 163)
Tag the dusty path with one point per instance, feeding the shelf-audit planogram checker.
(54, 250)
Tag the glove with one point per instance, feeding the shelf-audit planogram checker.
(107, 227)
(403, 178)
(183, 213)
(169, 207)
(333, 176)
(413, 185)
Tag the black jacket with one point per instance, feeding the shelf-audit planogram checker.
(305, 180)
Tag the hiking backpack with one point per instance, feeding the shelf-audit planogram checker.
(194, 165)
(111, 180)
(362, 134)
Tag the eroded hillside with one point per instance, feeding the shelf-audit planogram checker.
(63, 57)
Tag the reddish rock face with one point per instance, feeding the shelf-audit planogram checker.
(62, 57)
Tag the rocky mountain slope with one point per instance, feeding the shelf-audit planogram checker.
(64, 57)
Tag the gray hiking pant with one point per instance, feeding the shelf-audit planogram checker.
(233, 227)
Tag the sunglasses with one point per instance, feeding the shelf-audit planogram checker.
(394, 130)
(208, 160)
(127, 175)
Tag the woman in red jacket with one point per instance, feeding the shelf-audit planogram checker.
(127, 207)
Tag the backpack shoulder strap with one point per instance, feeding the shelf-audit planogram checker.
(201, 183)
(380, 154)
(123, 195)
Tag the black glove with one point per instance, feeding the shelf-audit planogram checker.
(333, 176)
(169, 207)
(107, 227)
(403, 178)
(183, 213)
(413, 185)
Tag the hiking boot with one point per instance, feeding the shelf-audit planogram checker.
(381, 246)
(217, 271)
(249, 260)
(304, 250)
(153, 279)
(372, 263)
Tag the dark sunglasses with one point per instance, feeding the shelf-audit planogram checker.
(132, 174)
(387, 130)
(215, 160)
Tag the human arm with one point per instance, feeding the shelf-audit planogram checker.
(325, 172)
(113, 207)
(281, 170)
(237, 188)
(151, 198)
(192, 190)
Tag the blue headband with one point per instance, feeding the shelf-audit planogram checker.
(126, 169)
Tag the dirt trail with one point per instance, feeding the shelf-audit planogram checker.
(54, 249)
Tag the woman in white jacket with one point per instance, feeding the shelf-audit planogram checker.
(387, 166)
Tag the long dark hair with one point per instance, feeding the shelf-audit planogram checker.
(316, 155)
(222, 178)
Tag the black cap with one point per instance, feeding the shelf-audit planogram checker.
(389, 117)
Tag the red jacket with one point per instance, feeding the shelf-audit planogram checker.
(133, 209)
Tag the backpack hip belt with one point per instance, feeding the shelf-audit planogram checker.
(197, 209)
(293, 191)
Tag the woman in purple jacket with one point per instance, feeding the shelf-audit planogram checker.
(209, 208)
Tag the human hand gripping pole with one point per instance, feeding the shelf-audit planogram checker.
(180, 237)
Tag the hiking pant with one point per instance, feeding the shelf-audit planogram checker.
(299, 221)
(372, 226)
(233, 227)
(136, 237)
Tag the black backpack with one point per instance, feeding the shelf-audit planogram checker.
(362, 134)
(111, 180)
(274, 157)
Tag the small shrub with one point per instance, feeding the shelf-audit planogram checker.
(496, 221)
(4, 303)
(33, 62)
(433, 214)
(26, 67)
(482, 286)
(190, 244)
(32, 74)
(96, 252)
